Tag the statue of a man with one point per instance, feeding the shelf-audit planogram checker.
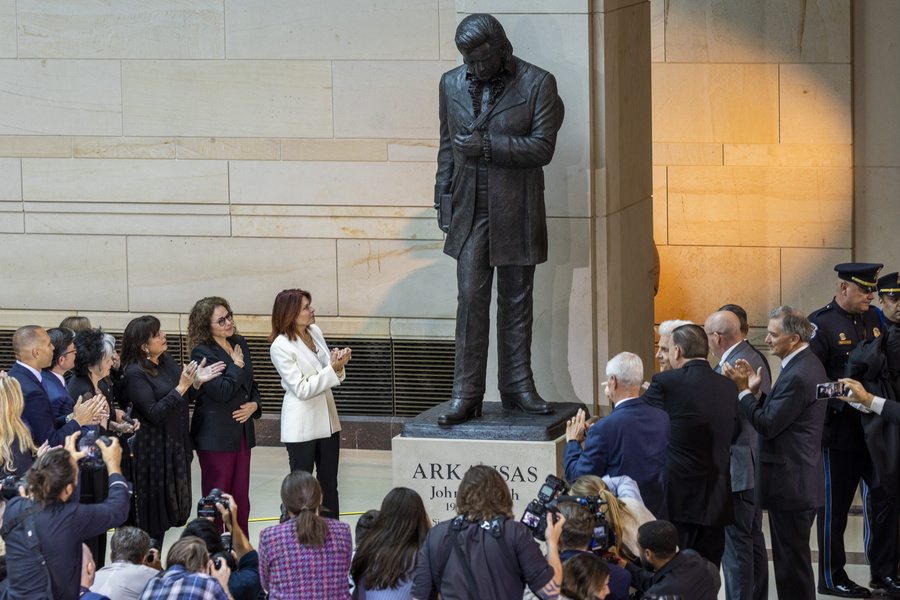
(499, 119)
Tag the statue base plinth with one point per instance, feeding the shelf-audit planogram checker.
(524, 448)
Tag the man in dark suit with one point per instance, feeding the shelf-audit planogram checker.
(745, 563)
(499, 117)
(34, 352)
(789, 422)
(632, 440)
(702, 408)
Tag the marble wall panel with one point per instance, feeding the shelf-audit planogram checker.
(877, 213)
(332, 183)
(735, 103)
(102, 180)
(761, 31)
(808, 280)
(127, 224)
(658, 30)
(336, 227)
(789, 155)
(348, 150)
(249, 272)
(8, 29)
(315, 210)
(117, 321)
(170, 29)
(228, 148)
(393, 278)
(60, 97)
(447, 22)
(10, 179)
(235, 98)
(13, 319)
(12, 219)
(36, 146)
(93, 147)
(876, 81)
(332, 29)
(815, 104)
(689, 274)
(660, 206)
(413, 150)
(750, 206)
(63, 272)
(537, 7)
(687, 154)
(419, 329)
(387, 99)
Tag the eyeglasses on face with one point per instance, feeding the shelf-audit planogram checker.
(229, 318)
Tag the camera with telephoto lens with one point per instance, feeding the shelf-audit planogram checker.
(93, 458)
(11, 485)
(206, 506)
(603, 536)
(535, 516)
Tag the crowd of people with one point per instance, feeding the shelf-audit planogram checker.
(676, 476)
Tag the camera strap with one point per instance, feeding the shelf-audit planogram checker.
(32, 542)
(467, 570)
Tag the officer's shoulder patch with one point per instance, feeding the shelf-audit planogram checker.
(815, 329)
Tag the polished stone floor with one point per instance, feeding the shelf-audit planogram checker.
(365, 477)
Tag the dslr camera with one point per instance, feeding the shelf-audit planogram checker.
(206, 506)
(11, 485)
(603, 536)
(535, 516)
(93, 459)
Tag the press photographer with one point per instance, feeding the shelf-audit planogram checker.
(44, 531)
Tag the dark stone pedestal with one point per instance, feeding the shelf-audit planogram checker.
(495, 423)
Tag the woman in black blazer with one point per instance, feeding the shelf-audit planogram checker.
(222, 426)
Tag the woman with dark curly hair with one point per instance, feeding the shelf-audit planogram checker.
(486, 548)
(158, 388)
(224, 410)
(585, 577)
(384, 563)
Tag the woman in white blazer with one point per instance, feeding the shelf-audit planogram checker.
(310, 428)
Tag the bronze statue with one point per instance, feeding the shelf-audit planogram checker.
(499, 119)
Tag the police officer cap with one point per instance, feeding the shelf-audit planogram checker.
(889, 284)
(865, 275)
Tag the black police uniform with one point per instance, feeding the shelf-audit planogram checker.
(846, 455)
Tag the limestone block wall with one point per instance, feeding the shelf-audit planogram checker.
(156, 151)
(753, 153)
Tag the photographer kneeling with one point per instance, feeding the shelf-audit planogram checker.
(484, 552)
(44, 531)
(242, 559)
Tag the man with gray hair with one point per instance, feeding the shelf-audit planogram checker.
(632, 440)
(745, 562)
(665, 330)
(128, 574)
(789, 421)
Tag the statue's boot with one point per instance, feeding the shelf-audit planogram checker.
(461, 410)
(528, 402)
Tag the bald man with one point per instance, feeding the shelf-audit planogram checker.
(34, 352)
(745, 562)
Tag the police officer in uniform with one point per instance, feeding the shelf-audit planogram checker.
(840, 326)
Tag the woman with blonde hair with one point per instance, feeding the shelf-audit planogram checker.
(625, 507)
(16, 448)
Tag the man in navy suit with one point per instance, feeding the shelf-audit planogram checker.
(63, 340)
(632, 440)
(789, 421)
(702, 408)
(745, 562)
(34, 351)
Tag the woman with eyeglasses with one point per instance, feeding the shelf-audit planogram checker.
(222, 426)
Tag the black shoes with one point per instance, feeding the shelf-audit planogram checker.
(528, 402)
(461, 410)
(848, 589)
(886, 585)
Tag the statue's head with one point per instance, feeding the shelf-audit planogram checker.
(485, 49)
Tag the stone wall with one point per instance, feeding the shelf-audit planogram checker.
(752, 153)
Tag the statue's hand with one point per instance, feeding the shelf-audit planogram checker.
(469, 144)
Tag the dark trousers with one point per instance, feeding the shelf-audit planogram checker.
(789, 530)
(515, 287)
(843, 471)
(745, 563)
(229, 472)
(707, 540)
(324, 454)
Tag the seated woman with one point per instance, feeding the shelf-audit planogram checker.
(386, 558)
(626, 511)
(307, 557)
(585, 577)
(59, 522)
